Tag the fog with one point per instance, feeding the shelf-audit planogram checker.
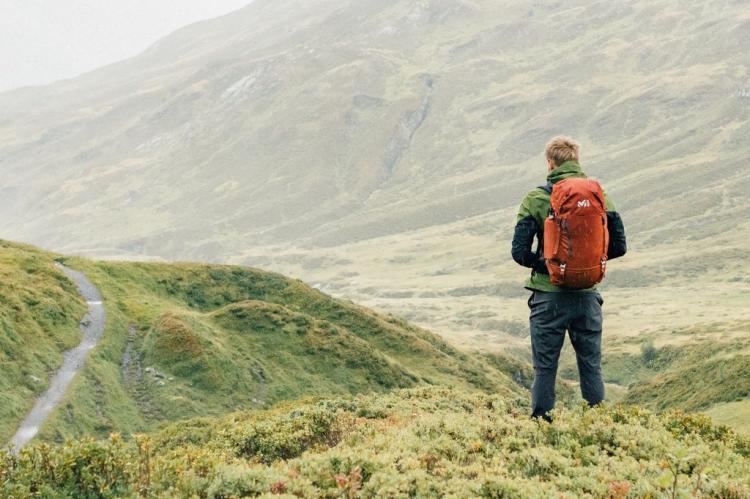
(42, 41)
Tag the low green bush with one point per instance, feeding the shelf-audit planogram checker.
(421, 442)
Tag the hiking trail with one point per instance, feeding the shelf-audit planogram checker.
(134, 378)
(92, 327)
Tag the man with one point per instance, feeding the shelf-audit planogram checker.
(555, 309)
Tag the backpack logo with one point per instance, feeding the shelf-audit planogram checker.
(584, 204)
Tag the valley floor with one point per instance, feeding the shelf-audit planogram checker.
(459, 281)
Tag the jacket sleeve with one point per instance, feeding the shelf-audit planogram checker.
(523, 240)
(617, 243)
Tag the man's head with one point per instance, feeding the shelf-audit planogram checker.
(561, 149)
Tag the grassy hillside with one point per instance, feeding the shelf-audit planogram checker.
(421, 442)
(188, 340)
(734, 414)
(696, 376)
(39, 314)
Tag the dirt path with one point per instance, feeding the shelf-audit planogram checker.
(92, 327)
(259, 396)
(133, 377)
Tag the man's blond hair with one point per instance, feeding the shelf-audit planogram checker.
(561, 149)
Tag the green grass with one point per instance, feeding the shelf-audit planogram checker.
(694, 372)
(734, 414)
(186, 340)
(697, 383)
(626, 369)
(39, 314)
(422, 442)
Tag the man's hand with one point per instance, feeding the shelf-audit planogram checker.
(540, 266)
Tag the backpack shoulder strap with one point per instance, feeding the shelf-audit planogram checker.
(548, 189)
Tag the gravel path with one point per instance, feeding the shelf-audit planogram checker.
(92, 327)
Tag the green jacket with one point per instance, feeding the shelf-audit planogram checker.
(536, 206)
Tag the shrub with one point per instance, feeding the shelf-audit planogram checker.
(431, 442)
(648, 353)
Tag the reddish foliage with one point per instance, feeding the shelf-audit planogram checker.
(278, 488)
(618, 490)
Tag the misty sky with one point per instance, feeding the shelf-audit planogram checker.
(46, 40)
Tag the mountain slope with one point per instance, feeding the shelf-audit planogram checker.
(413, 443)
(697, 375)
(188, 340)
(329, 122)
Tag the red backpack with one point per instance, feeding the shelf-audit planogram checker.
(575, 234)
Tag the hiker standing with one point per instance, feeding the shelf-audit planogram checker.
(577, 231)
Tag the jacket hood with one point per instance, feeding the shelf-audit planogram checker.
(568, 169)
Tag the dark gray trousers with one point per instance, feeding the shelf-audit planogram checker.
(580, 314)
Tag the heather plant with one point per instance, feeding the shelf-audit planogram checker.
(421, 442)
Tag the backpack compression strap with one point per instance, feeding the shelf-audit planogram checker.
(546, 188)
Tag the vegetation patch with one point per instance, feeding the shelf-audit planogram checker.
(422, 442)
(696, 385)
(39, 314)
(187, 340)
(173, 341)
